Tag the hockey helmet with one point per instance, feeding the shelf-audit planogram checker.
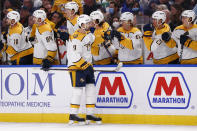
(97, 15)
(190, 14)
(127, 16)
(72, 6)
(83, 19)
(13, 15)
(159, 15)
(40, 14)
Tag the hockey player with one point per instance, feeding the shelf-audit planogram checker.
(45, 48)
(80, 61)
(19, 50)
(129, 52)
(71, 9)
(102, 53)
(33, 31)
(155, 41)
(59, 5)
(185, 36)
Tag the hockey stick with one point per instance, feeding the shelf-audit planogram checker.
(118, 67)
(182, 46)
(108, 40)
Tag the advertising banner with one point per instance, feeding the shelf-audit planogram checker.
(146, 90)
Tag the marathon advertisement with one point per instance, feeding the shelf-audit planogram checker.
(140, 90)
(114, 91)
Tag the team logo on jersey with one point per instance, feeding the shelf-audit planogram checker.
(168, 90)
(114, 90)
(75, 35)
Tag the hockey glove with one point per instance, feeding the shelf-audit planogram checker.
(116, 34)
(63, 35)
(166, 36)
(92, 29)
(1, 45)
(148, 30)
(184, 39)
(5, 36)
(31, 39)
(46, 64)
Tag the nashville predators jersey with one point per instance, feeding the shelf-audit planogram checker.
(162, 52)
(79, 49)
(45, 45)
(17, 44)
(72, 25)
(33, 31)
(130, 49)
(189, 52)
(100, 55)
(59, 4)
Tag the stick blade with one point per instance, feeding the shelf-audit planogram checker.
(119, 66)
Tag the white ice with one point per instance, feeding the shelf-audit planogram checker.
(5, 126)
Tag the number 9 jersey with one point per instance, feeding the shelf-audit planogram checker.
(79, 49)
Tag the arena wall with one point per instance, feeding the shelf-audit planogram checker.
(138, 94)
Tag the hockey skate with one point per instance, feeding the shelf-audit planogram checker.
(73, 118)
(93, 118)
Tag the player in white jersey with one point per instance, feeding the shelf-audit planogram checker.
(45, 49)
(154, 39)
(82, 74)
(19, 50)
(129, 52)
(102, 53)
(71, 9)
(185, 36)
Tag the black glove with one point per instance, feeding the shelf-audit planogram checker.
(107, 36)
(148, 30)
(166, 36)
(5, 36)
(92, 29)
(63, 35)
(114, 60)
(1, 45)
(148, 27)
(46, 64)
(183, 39)
(116, 34)
(31, 39)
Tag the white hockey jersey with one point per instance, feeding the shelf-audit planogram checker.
(17, 42)
(72, 25)
(162, 53)
(130, 51)
(189, 52)
(45, 45)
(79, 49)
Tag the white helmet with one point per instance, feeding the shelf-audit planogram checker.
(159, 15)
(72, 6)
(83, 19)
(190, 14)
(97, 15)
(13, 15)
(40, 14)
(127, 16)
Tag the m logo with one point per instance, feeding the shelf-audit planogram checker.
(114, 90)
(169, 90)
(105, 83)
(174, 83)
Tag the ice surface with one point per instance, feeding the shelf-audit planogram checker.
(4, 126)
